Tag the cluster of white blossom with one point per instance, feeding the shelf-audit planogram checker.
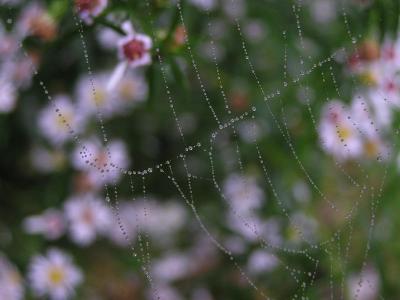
(362, 128)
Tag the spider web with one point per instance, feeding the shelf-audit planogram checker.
(184, 181)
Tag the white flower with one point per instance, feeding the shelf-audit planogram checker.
(261, 261)
(55, 122)
(91, 101)
(8, 95)
(171, 267)
(249, 131)
(102, 167)
(87, 216)
(365, 285)
(50, 223)
(9, 44)
(204, 4)
(390, 53)
(365, 119)
(362, 116)
(88, 9)
(54, 275)
(234, 8)
(235, 244)
(107, 38)
(302, 228)
(20, 70)
(382, 109)
(45, 160)
(254, 31)
(134, 48)
(128, 91)
(243, 193)
(323, 11)
(338, 135)
(162, 219)
(272, 231)
(249, 227)
(127, 215)
(11, 287)
(164, 292)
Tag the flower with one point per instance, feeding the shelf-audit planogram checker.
(9, 44)
(243, 193)
(87, 216)
(134, 48)
(249, 131)
(337, 134)
(93, 96)
(163, 220)
(20, 70)
(54, 275)
(131, 90)
(204, 4)
(250, 227)
(46, 161)
(323, 11)
(364, 286)
(56, 122)
(128, 220)
(11, 287)
(88, 9)
(35, 21)
(390, 53)
(50, 223)
(171, 267)
(260, 261)
(127, 92)
(102, 163)
(302, 228)
(107, 37)
(8, 96)
(165, 292)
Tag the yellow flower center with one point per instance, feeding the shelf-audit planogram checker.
(344, 133)
(368, 78)
(56, 275)
(63, 120)
(99, 97)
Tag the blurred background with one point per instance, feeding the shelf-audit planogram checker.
(199, 149)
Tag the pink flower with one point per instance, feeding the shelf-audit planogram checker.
(135, 47)
(87, 9)
(133, 50)
(50, 223)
